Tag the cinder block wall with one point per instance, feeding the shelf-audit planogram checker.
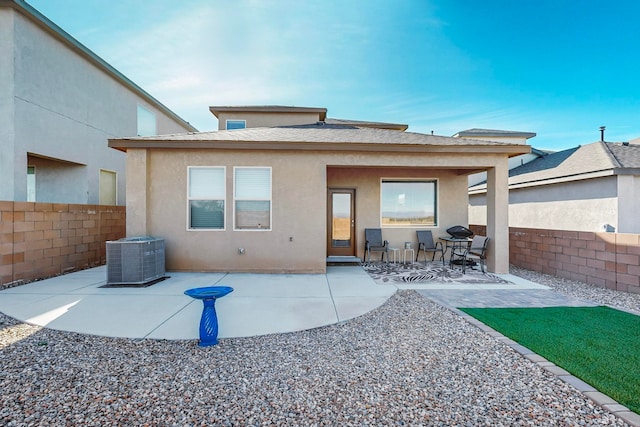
(610, 260)
(39, 240)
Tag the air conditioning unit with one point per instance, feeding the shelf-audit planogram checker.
(135, 261)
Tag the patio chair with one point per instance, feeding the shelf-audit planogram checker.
(374, 243)
(477, 250)
(425, 243)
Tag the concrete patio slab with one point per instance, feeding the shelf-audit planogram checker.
(260, 303)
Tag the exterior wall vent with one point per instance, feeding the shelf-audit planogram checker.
(135, 260)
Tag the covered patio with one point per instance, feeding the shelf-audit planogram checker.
(284, 224)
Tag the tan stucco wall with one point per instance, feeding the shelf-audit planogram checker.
(366, 182)
(264, 119)
(297, 241)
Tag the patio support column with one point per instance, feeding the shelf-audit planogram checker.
(136, 192)
(498, 217)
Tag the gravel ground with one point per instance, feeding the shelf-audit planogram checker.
(411, 362)
(623, 300)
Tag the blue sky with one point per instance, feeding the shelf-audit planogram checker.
(558, 68)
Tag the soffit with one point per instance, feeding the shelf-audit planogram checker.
(320, 137)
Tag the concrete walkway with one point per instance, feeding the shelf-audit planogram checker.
(523, 293)
(260, 303)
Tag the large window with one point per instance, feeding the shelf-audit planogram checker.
(236, 124)
(408, 203)
(252, 198)
(207, 194)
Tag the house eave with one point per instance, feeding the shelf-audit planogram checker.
(555, 180)
(510, 150)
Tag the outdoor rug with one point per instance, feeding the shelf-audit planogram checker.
(416, 273)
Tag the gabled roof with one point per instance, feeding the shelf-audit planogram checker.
(58, 33)
(627, 155)
(587, 161)
(475, 132)
(320, 136)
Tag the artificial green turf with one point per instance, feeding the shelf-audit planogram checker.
(599, 345)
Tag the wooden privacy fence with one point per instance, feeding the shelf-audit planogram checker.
(610, 260)
(39, 240)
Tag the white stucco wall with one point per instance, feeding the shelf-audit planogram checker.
(628, 204)
(585, 205)
(6, 105)
(64, 110)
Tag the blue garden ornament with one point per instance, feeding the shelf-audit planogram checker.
(209, 318)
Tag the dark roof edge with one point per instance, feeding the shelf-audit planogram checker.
(539, 152)
(216, 109)
(66, 38)
(375, 125)
(493, 132)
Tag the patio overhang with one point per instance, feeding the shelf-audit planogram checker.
(123, 144)
(316, 149)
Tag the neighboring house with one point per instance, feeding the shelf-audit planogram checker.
(500, 136)
(59, 103)
(285, 196)
(594, 187)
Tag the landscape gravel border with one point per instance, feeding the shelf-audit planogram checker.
(410, 362)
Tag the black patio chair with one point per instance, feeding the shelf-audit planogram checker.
(374, 243)
(477, 250)
(425, 243)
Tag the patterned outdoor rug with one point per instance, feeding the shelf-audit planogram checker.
(416, 273)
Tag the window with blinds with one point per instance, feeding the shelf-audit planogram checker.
(207, 194)
(252, 198)
(236, 124)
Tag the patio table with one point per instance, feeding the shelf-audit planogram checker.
(454, 243)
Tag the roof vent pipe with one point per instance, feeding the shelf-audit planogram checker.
(602, 128)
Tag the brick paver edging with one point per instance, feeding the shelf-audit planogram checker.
(587, 390)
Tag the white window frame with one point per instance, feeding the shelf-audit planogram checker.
(270, 199)
(189, 198)
(32, 185)
(143, 118)
(115, 174)
(409, 180)
(226, 125)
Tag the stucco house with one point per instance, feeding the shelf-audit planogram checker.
(300, 187)
(593, 187)
(59, 103)
(498, 135)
